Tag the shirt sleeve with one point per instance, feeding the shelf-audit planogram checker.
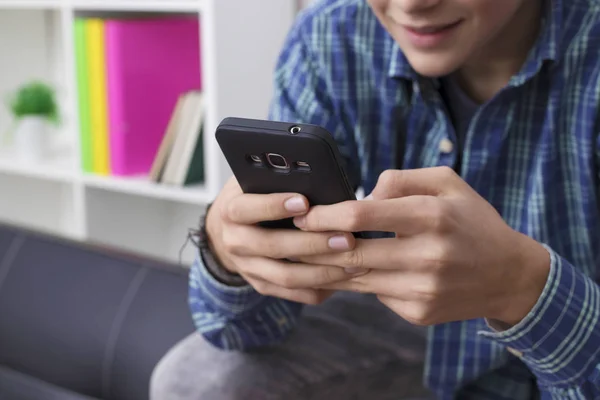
(237, 317)
(559, 340)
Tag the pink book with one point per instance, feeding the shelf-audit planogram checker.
(150, 62)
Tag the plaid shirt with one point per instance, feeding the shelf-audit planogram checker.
(531, 151)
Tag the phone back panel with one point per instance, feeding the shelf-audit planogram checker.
(315, 165)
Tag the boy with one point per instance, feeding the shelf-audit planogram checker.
(474, 126)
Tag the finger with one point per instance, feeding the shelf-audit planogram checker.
(377, 254)
(246, 240)
(254, 208)
(232, 185)
(432, 181)
(304, 296)
(407, 254)
(346, 286)
(400, 307)
(408, 287)
(230, 190)
(416, 312)
(405, 216)
(293, 275)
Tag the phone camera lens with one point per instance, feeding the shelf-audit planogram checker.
(295, 130)
(277, 161)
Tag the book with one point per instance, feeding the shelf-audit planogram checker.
(83, 97)
(185, 163)
(150, 62)
(96, 62)
(166, 145)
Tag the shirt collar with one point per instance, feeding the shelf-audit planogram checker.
(399, 66)
(545, 49)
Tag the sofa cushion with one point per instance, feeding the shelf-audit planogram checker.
(85, 319)
(18, 386)
(6, 238)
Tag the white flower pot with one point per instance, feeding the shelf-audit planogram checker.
(31, 139)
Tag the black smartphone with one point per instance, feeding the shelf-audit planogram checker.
(275, 157)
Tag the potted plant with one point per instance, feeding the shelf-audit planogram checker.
(34, 108)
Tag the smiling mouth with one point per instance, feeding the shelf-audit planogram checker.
(423, 29)
(431, 29)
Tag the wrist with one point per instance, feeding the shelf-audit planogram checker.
(210, 232)
(524, 285)
(218, 272)
(220, 261)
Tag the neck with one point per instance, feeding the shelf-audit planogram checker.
(488, 71)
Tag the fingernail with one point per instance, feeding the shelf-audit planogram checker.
(369, 197)
(355, 271)
(295, 204)
(300, 222)
(338, 243)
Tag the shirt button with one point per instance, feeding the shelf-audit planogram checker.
(446, 146)
(515, 352)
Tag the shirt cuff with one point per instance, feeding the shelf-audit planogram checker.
(210, 296)
(559, 339)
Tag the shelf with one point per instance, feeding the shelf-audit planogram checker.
(30, 4)
(39, 204)
(137, 5)
(135, 214)
(108, 5)
(196, 194)
(158, 229)
(56, 169)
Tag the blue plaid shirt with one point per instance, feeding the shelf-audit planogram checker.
(531, 152)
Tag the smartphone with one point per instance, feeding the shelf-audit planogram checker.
(275, 157)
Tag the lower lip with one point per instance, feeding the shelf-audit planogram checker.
(433, 39)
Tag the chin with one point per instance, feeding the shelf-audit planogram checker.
(433, 65)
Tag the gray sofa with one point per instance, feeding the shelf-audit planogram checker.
(81, 322)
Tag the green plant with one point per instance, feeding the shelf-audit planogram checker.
(35, 99)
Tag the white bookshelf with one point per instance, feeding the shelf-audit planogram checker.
(240, 41)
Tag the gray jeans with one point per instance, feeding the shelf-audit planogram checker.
(350, 347)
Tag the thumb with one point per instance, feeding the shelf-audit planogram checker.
(432, 181)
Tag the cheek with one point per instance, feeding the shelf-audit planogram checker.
(378, 6)
(491, 14)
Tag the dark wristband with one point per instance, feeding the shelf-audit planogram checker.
(212, 265)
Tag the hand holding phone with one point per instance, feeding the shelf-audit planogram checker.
(258, 253)
(282, 170)
(278, 157)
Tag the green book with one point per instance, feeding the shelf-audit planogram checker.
(195, 172)
(83, 98)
